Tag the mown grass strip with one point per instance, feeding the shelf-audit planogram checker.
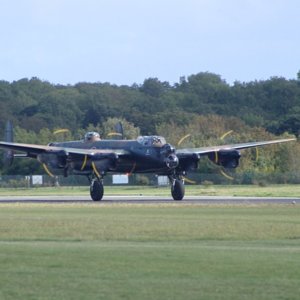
(119, 251)
(192, 190)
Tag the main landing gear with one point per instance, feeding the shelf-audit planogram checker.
(96, 189)
(177, 188)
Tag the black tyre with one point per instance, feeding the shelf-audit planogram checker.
(177, 190)
(96, 190)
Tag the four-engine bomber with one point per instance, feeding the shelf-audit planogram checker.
(95, 158)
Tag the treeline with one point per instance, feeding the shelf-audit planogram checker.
(202, 105)
(34, 104)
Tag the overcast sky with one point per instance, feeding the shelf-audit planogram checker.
(126, 41)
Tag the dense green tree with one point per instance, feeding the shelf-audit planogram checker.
(154, 88)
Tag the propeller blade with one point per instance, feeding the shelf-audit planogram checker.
(222, 170)
(47, 170)
(63, 130)
(182, 139)
(115, 134)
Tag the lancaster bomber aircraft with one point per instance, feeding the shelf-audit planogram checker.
(95, 158)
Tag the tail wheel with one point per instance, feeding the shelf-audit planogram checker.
(96, 190)
(177, 189)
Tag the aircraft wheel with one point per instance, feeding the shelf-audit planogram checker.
(177, 189)
(96, 190)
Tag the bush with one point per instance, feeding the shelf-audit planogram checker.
(207, 183)
(142, 180)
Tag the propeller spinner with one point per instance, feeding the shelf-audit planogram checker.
(171, 159)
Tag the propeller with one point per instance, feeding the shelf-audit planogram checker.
(171, 159)
(60, 156)
(223, 171)
(184, 138)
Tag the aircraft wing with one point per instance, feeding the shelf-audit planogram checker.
(212, 149)
(33, 150)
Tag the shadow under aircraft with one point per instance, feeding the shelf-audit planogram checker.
(94, 157)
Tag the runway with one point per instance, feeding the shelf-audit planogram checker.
(150, 199)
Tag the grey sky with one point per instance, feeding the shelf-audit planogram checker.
(126, 41)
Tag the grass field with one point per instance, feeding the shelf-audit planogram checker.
(283, 190)
(161, 251)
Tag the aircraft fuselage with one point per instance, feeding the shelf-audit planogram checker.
(136, 157)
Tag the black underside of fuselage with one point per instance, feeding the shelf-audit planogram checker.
(135, 158)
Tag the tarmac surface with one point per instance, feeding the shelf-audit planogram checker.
(150, 199)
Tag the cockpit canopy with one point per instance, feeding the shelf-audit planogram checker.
(92, 136)
(154, 140)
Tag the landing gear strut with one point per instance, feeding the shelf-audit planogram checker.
(96, 189)
(177, 188)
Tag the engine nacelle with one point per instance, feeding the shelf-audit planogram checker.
(104, 161)
(188, 162)
(56, 160)
(226, 158)
(172, 161)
